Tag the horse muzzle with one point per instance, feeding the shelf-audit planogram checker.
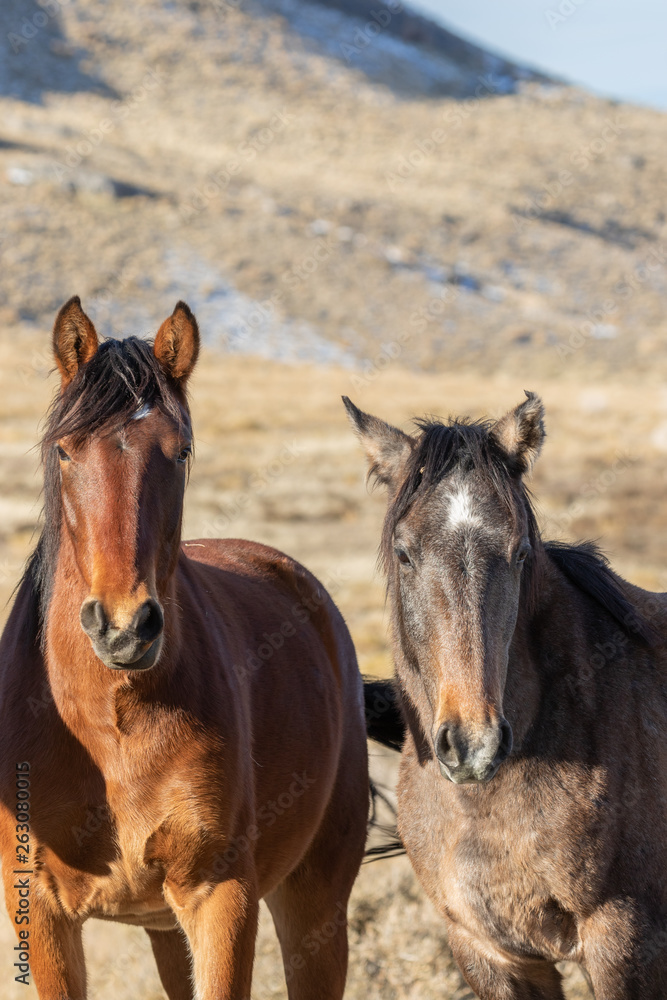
(136, 647)
(472, 755)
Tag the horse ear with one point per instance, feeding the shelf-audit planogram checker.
(176, 344)
(520, 433)
(74, 339)
(387, 448)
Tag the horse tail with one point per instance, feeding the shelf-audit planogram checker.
(384, 721)
(390, 845)
(385, 725)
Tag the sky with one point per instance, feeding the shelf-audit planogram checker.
(617, 48)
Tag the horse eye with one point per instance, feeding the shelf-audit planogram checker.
(522, 553)
(402, 556)
(184, 455)
(62, 454)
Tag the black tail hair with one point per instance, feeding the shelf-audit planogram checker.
(384, 720)
(385, 725)
(393, 847)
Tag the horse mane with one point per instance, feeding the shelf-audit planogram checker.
(121, 377)
(469, 445)
(588, 569)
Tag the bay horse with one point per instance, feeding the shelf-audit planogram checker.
(182, 726)
(531, 692)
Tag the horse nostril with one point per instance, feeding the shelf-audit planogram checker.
(93, 618)
(506, 741)
(445, 749)
(148, 621)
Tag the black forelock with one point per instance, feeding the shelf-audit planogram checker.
(442, 449)
(120, 377)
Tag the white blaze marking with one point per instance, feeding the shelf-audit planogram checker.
(461, 510)
(141, 413)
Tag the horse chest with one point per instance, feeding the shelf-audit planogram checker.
(508, 873)
(112, 860)
(102, 871)
(487, 890)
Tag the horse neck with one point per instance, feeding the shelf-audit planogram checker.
(551, 630)
(86, 692)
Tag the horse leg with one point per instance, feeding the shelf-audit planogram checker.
(311, 923)
(312, 930)
(500, 979)
(174, 963)
(57, 962)
(309, 907)
(54, 942)
(620, 965)
(220, 922)
(620, 981)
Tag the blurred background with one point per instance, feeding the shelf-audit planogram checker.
(427, 208)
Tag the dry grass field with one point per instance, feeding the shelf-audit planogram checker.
(342, 254)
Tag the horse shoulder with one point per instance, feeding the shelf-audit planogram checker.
(244, 557)
(247, 568)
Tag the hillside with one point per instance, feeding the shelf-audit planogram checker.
(314, 201)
